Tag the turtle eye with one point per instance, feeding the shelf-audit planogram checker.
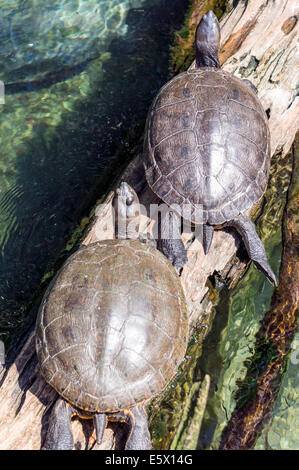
(129, 201)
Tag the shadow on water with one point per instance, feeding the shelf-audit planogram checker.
(58, 179)
(46, 82)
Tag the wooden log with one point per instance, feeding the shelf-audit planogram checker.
(258, 43)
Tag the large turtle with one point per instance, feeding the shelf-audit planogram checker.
(207, 143)
(110, 333)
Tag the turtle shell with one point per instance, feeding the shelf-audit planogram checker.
(112, 328)
(207, 145)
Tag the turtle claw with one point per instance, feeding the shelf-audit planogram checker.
(148, 239)
(179, 267)
(264, 267)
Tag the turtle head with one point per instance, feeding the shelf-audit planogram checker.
(126, 212)
(207, 41)
(126, 194)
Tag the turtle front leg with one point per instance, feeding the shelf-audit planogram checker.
(254, 245)
(59, 434)
(170, 241)
(249, 83)
(139, 437)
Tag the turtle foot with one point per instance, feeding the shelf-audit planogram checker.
(139, 436)
(175, 252)
(59, 434)
(254, 245)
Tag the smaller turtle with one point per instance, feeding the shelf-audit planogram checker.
(111, 332)
(207, 148)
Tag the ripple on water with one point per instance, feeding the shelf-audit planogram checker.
(39, 37)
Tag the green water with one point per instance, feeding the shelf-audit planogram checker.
(61, 133)
(38, 37)
(281, 431)
(231, 344)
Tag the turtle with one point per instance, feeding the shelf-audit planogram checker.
(207, 147)
(111, 332)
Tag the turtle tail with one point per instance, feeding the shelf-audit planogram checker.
(100, 422)
(253, 244)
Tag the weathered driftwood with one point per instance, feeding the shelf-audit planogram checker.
(258, 43)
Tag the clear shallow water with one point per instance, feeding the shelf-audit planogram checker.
(59, 133)
(230, 345)
(281, 432)
(39, 36)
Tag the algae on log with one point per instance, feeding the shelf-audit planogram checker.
(25, 398)
(276, 332)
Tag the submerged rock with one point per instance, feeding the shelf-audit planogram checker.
(39, 37)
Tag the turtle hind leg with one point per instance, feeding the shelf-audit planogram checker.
(139, 437)
(207, 237)
(59, 434)
(100, 422)
(253, 244)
